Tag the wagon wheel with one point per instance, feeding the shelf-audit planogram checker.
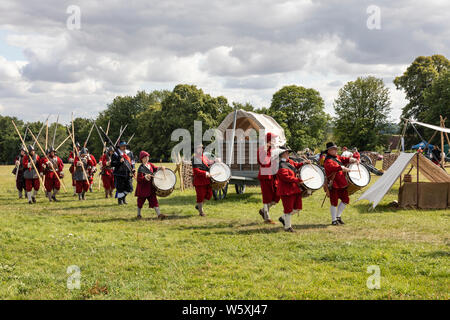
(240, 188)
(221, 193)
(365, 159)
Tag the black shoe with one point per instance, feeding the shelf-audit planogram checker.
(139, 217)
(261, 213)
(124, 201)
(196, 207)
(281, 220)
(119, 201)
(30, 202)
(335, 223)
(289, 230)
(54, 199)
(339, 220)
(34, 199)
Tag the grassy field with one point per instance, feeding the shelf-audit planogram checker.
(229, 254)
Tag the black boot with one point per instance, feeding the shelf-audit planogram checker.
(119, 200)
(339, 220)
(83, 195)
(124, 200)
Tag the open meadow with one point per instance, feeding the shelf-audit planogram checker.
(229, 254)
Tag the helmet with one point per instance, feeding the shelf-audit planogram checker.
(30, 148)
(51, 149)
(110, 149)
(83, 151)
(123, 144)
(77, 145)
(22, 148)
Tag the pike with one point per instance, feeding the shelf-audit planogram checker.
(51, 164)
(120, 135)
(25, 134)
(31, 159)
(54, 134)
(89, 135)
(46, 137)
(76, 150)
(63, 142)
(40, 131)
(131, 138)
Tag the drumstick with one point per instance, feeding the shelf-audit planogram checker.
(304, 158)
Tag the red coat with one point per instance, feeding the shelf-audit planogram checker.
(107, 171)
(26, 161)
(356, 155)
(199, 170)
(144, 187)
(59, 166)
(287, 179)
(331, 166)
(265, 164)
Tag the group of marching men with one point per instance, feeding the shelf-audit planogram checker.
(278, 176)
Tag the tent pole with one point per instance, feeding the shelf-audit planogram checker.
(442, 144)
(417, 183)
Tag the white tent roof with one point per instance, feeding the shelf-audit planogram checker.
(261, 120)
(379, 189)
(430, 126)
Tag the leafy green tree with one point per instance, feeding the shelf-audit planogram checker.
(361, 110)
(416, 79)
(9, 140)
(300, 111)
(437, 101)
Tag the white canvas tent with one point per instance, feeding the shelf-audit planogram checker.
(428, 169)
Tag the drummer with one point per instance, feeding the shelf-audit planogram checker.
(145, 189)
(267, 176)
(335, 169)
(289, 189)
(202, 177)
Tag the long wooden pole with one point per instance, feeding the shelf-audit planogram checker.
(77, 152)
(31, 158)
(51, 164)
(46, 137)
(67, 138)
(442, 144)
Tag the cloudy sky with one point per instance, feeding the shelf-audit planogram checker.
(244, 50)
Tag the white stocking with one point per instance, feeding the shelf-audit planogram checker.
(333, 211)
(158, 212)
(266, 211)
(340, 209)
(287, 221)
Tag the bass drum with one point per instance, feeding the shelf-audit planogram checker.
(164, 182)
(313, 178)
(357, 178)
(220, 175)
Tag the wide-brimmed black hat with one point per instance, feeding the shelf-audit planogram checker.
(331, 145)
(284, 149)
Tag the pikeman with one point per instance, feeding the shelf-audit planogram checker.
(267, 177)
(106, 172)
(202, 177)
(80, 175)
(91, 169)
(335, 170)
(123, 163)
(30, 174)
(18, 172)
(52, 184)
(145, 189)
(288, 188)
(71, 159)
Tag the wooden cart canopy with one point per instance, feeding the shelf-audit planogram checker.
(246, 120)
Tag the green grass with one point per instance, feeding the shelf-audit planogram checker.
(229, 254)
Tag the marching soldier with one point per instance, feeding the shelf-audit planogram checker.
(52, 183)
(18, 172)
(91, 169)
(202, 178)
(72, 167)
(123, 163)
(288, 188)
(267, 177)
(80, 175)
(106, 172)
(145, 191)
(30, 174)
(335, 169)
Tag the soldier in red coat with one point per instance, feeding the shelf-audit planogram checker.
(267, 177)
(30, 174)
(106, 171)
(52, 183)
(145, 191)
(202, 178)
(72, 167)
(81, 176)
(18, 172)
(335, 169)
(91, 169)
(288, 188)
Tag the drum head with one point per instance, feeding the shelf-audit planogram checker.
(312, 176)
(220, 172)
(164, 180)
(357, 179)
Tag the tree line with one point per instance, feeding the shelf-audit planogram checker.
(361, 117)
